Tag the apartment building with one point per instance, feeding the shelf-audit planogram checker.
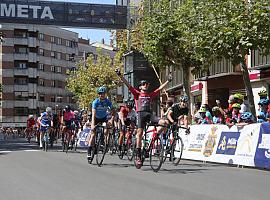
(33, 65)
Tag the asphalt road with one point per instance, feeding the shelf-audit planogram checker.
(26, 173)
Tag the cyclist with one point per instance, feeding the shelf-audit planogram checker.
(143, 101)
(67, 120)
(100, 107)
(126, 118)
(179, 112)
(45, 121)
(30, 125)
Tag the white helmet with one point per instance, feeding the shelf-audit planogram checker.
(49, 110)
(31, 116)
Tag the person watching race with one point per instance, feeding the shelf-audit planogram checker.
(263, 115)
(100, 107)
(45, 122)
(143, 101)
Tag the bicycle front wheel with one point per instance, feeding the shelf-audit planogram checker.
(156, 154)
(177, 150)
(101, 150)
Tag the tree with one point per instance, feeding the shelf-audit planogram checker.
(167, 39)
(231, 29)
(84, 81)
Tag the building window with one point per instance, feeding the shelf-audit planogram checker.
(53, 99)
(52, 39)
(41, 82)
(52, 68)
(21, 96)
(41, 52)
(20, 33)
(58, 55)
(53, 83)
(20, 80)
(59, 41)
(68, 43)
(32, 96)
(21, 49)
(41, 97)
(41, 66)
(21, 111)
(21, 65)
(53, 54)
(58, 69)
(41, 36)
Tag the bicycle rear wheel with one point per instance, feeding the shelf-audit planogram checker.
(101, 149)
(131, 145)
(177, 150)
(156, 154)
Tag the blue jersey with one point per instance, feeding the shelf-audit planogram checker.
(45, 120)
(101, 107)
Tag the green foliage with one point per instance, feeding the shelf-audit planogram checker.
(84, 81)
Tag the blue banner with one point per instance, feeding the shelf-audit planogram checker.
(82, 137)
(227, 143)
(262, 155)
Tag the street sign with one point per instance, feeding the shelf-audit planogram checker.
(63, 14)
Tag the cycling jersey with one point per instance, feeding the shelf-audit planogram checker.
(101, 107)
(45, 119)
(68, 115)
(177, 111)
(143, 99)
(31, 123)
(217, 120)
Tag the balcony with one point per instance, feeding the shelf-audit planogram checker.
(20, 41)
(21, 72)
(20, 56)
(19, 88)
(31, 57)
(33, 42)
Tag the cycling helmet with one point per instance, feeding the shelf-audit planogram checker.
(236, 105)
(129, 104)
(76, 112)
(184, 98)
(68, 108)
(262, 92)
(214, 109)
(238, 96)
(142, 82)
(246, 116)
(49, 110)
(202, 110)
(31, 116)
(101, 89)
(264, 102)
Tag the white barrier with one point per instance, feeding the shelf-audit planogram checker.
(247, 145)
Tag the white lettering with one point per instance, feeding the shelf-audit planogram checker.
(22, 11)
(35, 11)
(8, 11)
(47, 13)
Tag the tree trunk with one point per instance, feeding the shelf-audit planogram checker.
(186, 85)
(248, 88)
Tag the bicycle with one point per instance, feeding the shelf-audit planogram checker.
(128, 144)
(46, 139)
(153, 149)
(173, 144)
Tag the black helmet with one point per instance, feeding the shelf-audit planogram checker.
(142, 82)
(129, 104)
(68, 108)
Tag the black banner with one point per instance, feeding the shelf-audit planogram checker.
(63, 14)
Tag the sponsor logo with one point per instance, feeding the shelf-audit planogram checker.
(210, 142)
(228, 143)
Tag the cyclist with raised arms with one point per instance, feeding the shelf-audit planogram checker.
(100, 107)
(143, 101)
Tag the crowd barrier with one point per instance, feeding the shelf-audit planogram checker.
(239, 145)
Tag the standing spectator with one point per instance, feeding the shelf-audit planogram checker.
(263, 115)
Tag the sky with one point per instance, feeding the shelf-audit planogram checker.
(95, 35)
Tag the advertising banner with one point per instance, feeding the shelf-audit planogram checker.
(83, 137)
(262, 156)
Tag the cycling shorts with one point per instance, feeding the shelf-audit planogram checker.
(101, 120)
(144, 117)
(68, 124)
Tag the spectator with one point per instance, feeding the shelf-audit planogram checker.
(264, 114)
(218, 118)
(203, 118)
(236, 113)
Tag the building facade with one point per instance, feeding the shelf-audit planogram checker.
(34, 61)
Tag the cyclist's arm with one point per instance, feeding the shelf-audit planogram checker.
(163, 85)
(169, 116)
(93, 118)
(122, 78)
